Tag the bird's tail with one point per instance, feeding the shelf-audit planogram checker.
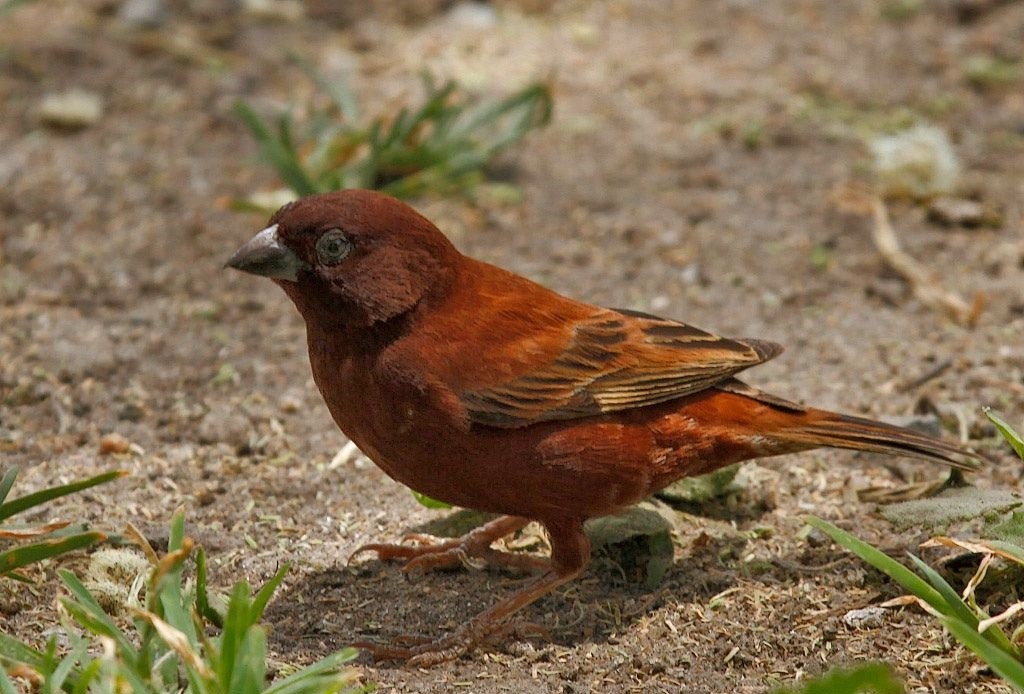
(820, 428)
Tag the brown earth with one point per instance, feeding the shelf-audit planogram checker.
(691, 170)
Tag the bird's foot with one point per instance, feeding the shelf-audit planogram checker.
(570, 552)
(473, 550)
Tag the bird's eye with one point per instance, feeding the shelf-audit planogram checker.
(332, 247)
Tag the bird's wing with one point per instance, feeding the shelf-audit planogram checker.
(615, 360)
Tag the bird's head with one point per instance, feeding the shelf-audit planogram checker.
(358, 255)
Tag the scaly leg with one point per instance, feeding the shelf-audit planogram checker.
(472, 549)
(570, 553)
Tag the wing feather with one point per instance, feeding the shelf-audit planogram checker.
(616, 360)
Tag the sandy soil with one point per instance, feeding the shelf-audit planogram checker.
(691, 170)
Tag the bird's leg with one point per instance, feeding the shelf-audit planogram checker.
(426, 552)
(570, 552)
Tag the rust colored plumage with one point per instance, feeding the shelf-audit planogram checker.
(481, 388)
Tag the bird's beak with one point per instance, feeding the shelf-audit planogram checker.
(265, 255)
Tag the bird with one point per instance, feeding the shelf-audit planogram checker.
(483, 389)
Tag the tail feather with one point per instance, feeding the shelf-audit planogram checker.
(843, 431)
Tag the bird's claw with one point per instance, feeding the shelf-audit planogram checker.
(409, 547)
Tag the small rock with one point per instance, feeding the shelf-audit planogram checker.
(73, 110)
(865, 617)
(290, 404)
(473, 15)
(815, 538)
(660, 302)
(919, 162)
(275, 10)
(114, 444)
(79, 348)
(224, 423)
(953, 212)
(143, 14)
(131, 412)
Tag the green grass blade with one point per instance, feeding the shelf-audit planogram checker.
(1015, 551)
(958, 608)
(876, 678)
(341, 95)
(20, 504)
(260, 132)
(400, 128)
(87, 676)
(250, 671)
(236, 622)
(527, 109)
(176, 533)
(9, 5)
(6, 686)
(12, 649)
(203, 606)
(24, 555)
(310, 678)
(884, 563)
(284, 132)
(1011, 436)
(90, 615)
(66, 667)
(961, 610)
(172, 604)
(1008, 667)
(263, 596)
(285, 161)
(18, 576)
(6, 483)
(429, 502)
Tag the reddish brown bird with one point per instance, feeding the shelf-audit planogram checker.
(481, 388)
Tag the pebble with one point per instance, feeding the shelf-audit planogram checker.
(473, 15)
(962, 212)
(275, 10)
(223, 423)
(114, 444)
(919, 162)
(816, 538)
(73, 110)
(79, 348)
(865, 617)
(290, 404)
(143, 14)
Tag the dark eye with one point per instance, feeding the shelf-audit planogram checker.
(332, 247)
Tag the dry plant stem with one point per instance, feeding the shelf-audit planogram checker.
(925, 288)
(975, 547)
(978, 576)
(1002, 617)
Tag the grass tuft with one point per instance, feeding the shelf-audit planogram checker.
(441, 145)
(169, 647)
(22, 545)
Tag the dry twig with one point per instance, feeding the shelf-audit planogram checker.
(926, 289)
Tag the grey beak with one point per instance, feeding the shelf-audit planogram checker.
(265, 255)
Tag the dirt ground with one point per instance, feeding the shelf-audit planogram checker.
(691, 170)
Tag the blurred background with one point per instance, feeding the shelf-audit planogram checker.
(846, 178)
